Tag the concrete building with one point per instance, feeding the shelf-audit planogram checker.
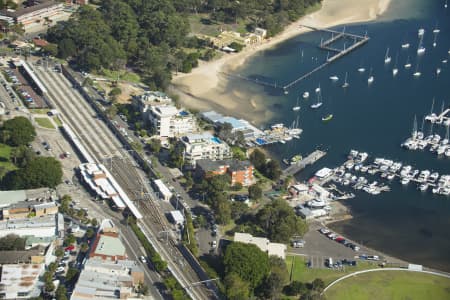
(37, 13)
(36, 255)
(107, 246)
(148, 99)
(20, 281)
(239, 171)
(42, 227)
(264, 244)
(163, 190)
(107, 280)
(168, 121)
(204, 146)
(27, 209)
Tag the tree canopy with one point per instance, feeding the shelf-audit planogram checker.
(39, 172)
(18, 131)
(246, 261)
(12, 242)
(279, 222)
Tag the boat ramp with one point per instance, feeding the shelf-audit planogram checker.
(309, 160)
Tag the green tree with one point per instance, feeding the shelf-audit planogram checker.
(17, 131)
(50, 49)
(155, 145)
(72, 273)
(65, 204)
(39, 172)
(277, 279)
(52, 267)
(255, 192)
(12, 242)
(273, 170)
(59, 252)
(238, 209)
(61, 293)
(279, 222)
(258, 159)
(69, 240)
(318, 285)
(90, 233)
(236, 288)
(247, 261)
(295, 288)
(111, 111)
(222, 209)
(94, 222)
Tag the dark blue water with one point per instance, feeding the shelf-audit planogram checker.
(377, 118)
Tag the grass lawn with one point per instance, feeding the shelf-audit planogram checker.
(301, 272)
(391, 285)
(5, 152)
(41, 111)
(202, 24)
(44, 122)
(57, 120)
(126, 76)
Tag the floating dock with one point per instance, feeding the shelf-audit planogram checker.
(309, 160)
(359, 40)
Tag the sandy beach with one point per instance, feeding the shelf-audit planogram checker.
(205, 88)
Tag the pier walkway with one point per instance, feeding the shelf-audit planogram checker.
(309, 160)
(358, 40)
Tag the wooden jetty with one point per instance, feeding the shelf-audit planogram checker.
(359, 41)
(309, 160)
(325, 45)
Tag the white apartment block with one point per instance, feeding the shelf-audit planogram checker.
(168, 121)
(204, 146)
(150, 98)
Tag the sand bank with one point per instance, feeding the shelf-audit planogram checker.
(205, 88)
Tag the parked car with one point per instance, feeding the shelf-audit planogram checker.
(143, 260)
(59, 270)
(298, 244)
(214, 244)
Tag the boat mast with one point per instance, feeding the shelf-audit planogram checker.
(414, 131)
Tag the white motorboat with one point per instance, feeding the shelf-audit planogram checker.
(438, 71)
(405, 46)
(421, 50)
(417, 74)
(394, 71)
(334, 78)
(444, 61)
(361, 70)
(421, 32)
(305, 95)
(370, 79)
(405, 180)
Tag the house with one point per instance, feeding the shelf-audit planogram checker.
(163, 190)
(204, 146)
(44, 226)
(239, 171)
(264, 244)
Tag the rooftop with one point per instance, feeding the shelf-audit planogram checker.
(22, 11)
(11, 197)
(24, 256)
(165, 110)
(44, 221)
(264, 244)
(20, 277)
(109, 245)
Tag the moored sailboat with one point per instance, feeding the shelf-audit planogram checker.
(346, 84)
(318, 99)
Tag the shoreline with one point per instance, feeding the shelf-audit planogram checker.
(205, 88)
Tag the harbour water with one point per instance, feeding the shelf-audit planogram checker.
(375, 118)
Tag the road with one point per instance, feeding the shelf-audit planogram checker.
(105, 147)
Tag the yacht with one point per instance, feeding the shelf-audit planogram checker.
(387, 58)
(370, 79)
(438, 71)
(421, 32)
(361, 70)
(305, 95)
(296, 107)
(319, 99)
(444, 61)
(405, 46)
(405, 180)
(417, 74)
(346, 84)
(407, 64)
(423, 187)
(421, 50)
